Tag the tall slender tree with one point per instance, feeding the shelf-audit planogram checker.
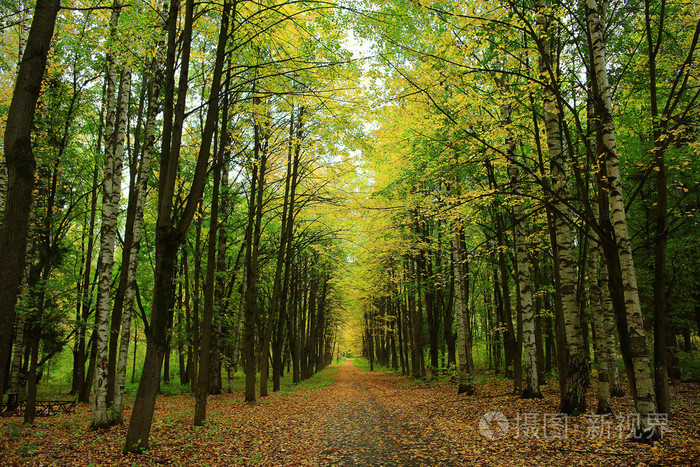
(173, 223)
(641, 381)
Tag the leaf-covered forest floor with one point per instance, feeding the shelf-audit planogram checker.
(362, 418)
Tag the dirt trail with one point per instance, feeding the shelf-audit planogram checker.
(374, 423)
(361, 418)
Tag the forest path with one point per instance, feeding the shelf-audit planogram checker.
(374, 420)
(360, 418)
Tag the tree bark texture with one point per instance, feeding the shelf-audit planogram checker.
(574, 400)
(645, 400)
(20, 165)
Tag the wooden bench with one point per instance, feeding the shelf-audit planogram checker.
(43, 408)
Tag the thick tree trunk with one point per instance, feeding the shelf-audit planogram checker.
(3, 185)
(23, 32)
(171, 232)
(20, 165)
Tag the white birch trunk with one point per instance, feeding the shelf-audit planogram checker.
(574, 401)
(645, 399)
(111, 195)
(599, 322)
(532, 385)
(130, 293)
(149, 143)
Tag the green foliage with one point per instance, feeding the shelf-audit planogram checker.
(363, 364)
(690, 365)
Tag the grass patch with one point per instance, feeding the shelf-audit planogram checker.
(363, 364)
(321, 379)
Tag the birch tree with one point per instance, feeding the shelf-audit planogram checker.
(574, 400)
(110, 212)
(642, 384)
(155, 85)
(115, 135)
(600, 324)
(532, 385)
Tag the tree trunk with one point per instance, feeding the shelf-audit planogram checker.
(418, 363)
(111, 189)
(532, 385)
(253, 233)
(599, 324)
(202, 390)
(527, 334)
(85, 295)
(574, 400)
(20, 165)
(275, 305)
(295, 147)
(644, 391)
(170, 231)
(539, 319)
(236, 346)
(30, 403)
(465, 384)
(137, 230)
